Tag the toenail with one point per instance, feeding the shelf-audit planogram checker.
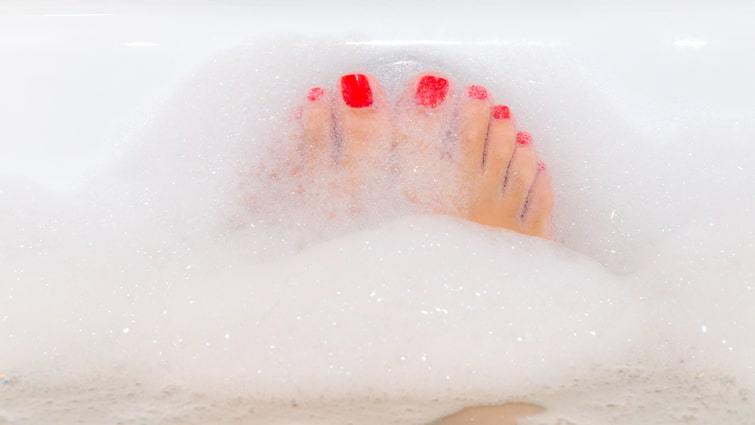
(315, 93)
(523, 138)
(356, 90)
(477, 92)
(431, 91)
(540, 166)
(501, 112)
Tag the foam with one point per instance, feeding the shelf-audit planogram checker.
(175, 286)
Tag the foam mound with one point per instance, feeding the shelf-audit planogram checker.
(160, 295)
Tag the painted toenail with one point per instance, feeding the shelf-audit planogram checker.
(356, 90)
(477, 92)
(315, 93)
(523, 138)
(540, 166)
(431, 91)
(501, 112)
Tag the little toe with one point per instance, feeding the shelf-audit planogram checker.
(318, 141)
(537, 217)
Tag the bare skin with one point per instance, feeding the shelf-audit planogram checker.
(504, 414)
(497, 179)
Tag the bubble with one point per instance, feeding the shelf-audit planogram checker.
(188, 268)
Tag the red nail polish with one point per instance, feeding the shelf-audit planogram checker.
(477, 92)
(315, 93)
(540, 166)
(501, 112)
(431, 91)
(356, 90)
(523, 138)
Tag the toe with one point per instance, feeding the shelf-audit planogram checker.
(422, 119)
(430, 91)
(500, 145)
(361, 121)
(474, 118)
(537, 217)
(521, 174)
(422, 125)
(317, 118)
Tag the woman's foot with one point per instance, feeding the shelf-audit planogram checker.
(453, 150)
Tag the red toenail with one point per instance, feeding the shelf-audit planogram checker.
(540, 166)
(356, 90)
(523, 138)
(315, 93)
(477, 92)
(501, 112)
(431, 91)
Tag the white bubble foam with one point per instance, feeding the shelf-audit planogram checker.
(165, 291)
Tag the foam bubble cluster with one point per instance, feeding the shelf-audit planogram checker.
(186, 286)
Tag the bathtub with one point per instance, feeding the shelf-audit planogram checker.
(131, 54)
(643, 313)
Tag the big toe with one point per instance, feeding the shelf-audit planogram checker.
(362, 122)
(424, 113)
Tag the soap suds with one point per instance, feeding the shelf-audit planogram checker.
(163, 293)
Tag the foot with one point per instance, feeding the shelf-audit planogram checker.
(463, 158)
(498, 180)
(505, 414)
